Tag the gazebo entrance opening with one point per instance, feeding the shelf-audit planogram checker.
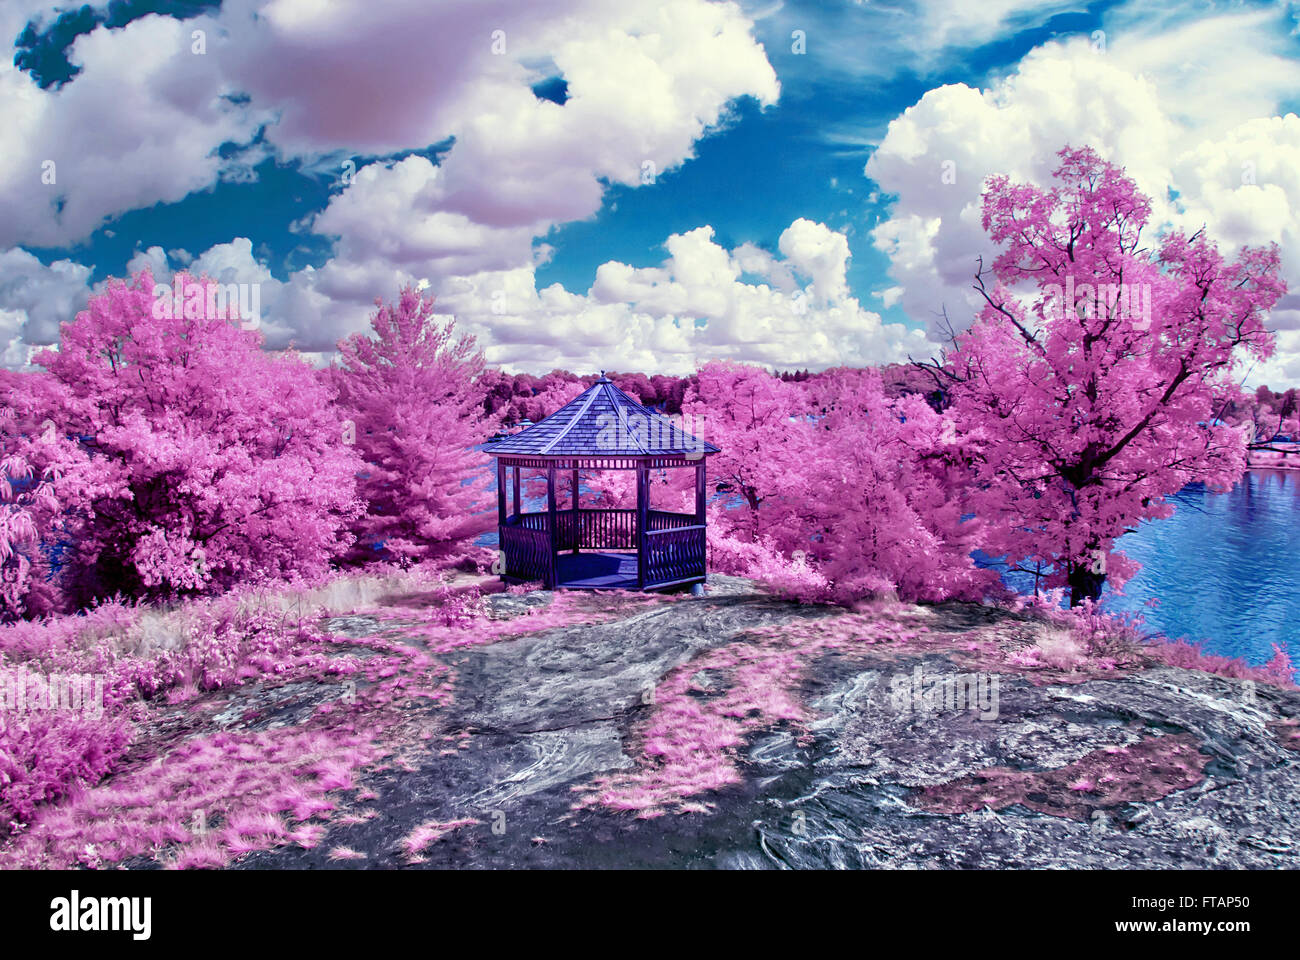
(600, 548)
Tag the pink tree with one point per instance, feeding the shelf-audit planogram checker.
(846, 493)
(554, 392)
(410, 390)
(28, 511)
(760, 422)
(1092, 400)
(205, 460)
(889, 494)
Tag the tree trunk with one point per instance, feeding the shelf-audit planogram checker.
(1084, 584)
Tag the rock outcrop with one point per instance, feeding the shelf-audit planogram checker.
(1145, 766)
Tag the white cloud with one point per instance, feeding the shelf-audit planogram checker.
(961, 23)
(1172, 105)
(692, 308)
(138, 126)
(645, 81)
(35, 298)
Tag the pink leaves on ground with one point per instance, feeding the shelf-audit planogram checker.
(441, 633)
(209, 799)
(705, 710)
(1152, 768)
(418, 840)
(215, 644)
(345, 853)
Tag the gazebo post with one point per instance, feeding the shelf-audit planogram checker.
(699, 492)
(642, 519)
(514, 487)
(501, 492)
(577, 517)
(501, 518)
(550, 510)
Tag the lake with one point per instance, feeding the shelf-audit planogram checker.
(1225, 567)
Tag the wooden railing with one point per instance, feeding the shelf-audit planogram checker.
(662, 520)
(526, 545)
(608, 530)
(674, 543)
(674, 555)
(594, 530)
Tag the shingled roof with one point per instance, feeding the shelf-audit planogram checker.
(602, 422)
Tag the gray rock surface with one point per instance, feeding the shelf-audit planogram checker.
(546, 713)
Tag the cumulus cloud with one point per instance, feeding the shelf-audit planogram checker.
(645, 81)
(140, 125)
(35, 298)
(1132, 98)
(692, 308)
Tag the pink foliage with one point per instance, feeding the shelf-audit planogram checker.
(409, 389)
(419, 840)
(204, 460)
(1279, 671)
(831, 490)
(215, 797)
(1107, 638)
(1090, 403)
(45, 754)
(49, 753)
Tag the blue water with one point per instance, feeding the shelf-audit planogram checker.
(1225, 567)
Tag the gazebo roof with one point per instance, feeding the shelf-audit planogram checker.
(602, 421)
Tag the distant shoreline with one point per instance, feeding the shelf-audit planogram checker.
(1273, 460)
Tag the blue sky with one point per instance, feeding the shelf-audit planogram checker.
(242, 150)
(749, 179)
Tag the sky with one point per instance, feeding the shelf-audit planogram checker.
(625, 185)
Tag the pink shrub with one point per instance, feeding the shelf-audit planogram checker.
(1121, 638)
(46, 754)
(1279, 671)
(208, 461)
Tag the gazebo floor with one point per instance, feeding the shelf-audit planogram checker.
(596, 571)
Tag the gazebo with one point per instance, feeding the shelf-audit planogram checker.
(641, 549)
